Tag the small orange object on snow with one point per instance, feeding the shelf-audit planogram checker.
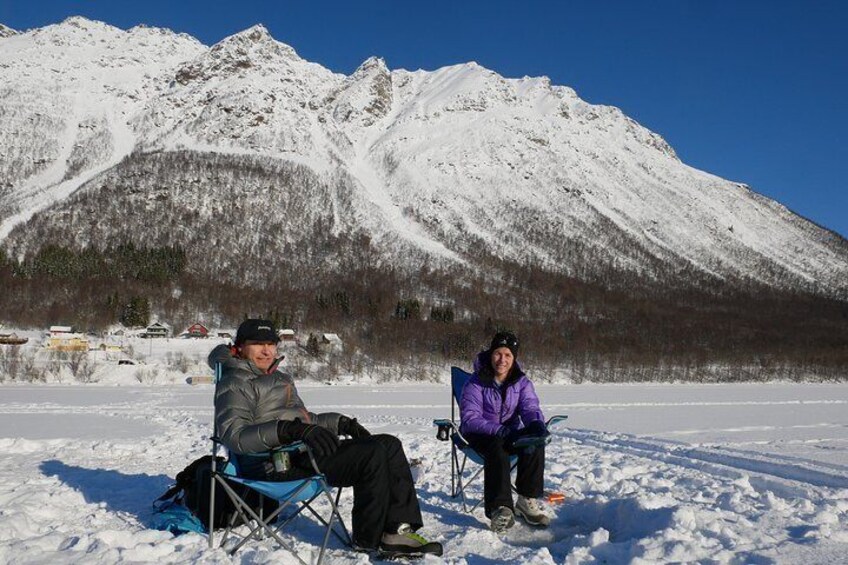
(555, 497)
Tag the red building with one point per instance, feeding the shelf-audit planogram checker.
(197, 330)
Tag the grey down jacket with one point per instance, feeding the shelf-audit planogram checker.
(249, 402)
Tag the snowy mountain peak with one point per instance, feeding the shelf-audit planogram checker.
(80, 42)
(76, 25)
(371, 65)
(6, 31)
(78, 21)
(249, 49)
(255, 41)
(144, 32)
(254, 34)
(365, 96)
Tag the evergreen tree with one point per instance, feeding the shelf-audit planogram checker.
(441, 314)
(312, 345)
(136, 312)
(408, 309)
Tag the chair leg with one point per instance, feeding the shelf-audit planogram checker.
(264, 527)
(230, 525)
(333, 512)
(460, 484)
(303, 506)
(471, 480)
(260, 525)
(511, 483)
(243, 509)
(453, 470)
(261, 512)
(335, 505)
(349, 541)
(456, 475)
(212, 511)
(334, 516)
(235, 515)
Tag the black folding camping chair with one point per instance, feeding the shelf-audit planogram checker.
(449, 430)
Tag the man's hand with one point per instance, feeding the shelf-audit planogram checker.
(350, 427)
(321, 441)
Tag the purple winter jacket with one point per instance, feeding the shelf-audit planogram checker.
(485, 408)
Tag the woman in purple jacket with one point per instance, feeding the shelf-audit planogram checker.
(498, 406)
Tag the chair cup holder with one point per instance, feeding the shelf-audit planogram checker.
(443, 432)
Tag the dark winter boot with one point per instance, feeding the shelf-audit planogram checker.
(406, 543)
(502, 519)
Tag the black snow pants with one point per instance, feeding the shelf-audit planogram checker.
(383, 490)
(497, 489)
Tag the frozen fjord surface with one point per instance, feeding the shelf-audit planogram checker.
(652, 473)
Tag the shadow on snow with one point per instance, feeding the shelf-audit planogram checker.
(626, 521)
(132, 494)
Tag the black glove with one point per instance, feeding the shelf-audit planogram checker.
(508, 435)
(536, 428)
(321, 441)
(350, 427)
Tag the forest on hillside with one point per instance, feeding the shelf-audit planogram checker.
(616, 328)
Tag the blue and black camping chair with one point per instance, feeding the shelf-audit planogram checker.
(449, 430)
(296, 494)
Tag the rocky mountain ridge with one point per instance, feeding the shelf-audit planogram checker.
(143, 135)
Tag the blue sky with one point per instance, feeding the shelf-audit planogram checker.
(752, 91)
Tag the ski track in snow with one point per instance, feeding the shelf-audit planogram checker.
(717, 460)
(73, 495)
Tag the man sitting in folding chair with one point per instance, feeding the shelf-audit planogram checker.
(499, 408)
(258, 409)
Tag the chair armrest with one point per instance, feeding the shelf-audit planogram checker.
(446, 428)
(291, 447)
(531, 442)
(296, 446)
(554, 420)
(459, 440)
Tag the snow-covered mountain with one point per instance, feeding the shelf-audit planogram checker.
(147, 135)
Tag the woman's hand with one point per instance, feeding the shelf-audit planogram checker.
(536, 428)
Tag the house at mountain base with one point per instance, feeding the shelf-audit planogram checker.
(287, 337)
(67, 342)
(156, 329)
(12, 339)
(197, 330)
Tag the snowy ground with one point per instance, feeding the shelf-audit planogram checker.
(670, 473)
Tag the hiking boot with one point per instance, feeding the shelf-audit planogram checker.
(502, 519)
(532, 511)
(406, 543)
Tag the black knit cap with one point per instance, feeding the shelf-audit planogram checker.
(257, 331)
(505, 339)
